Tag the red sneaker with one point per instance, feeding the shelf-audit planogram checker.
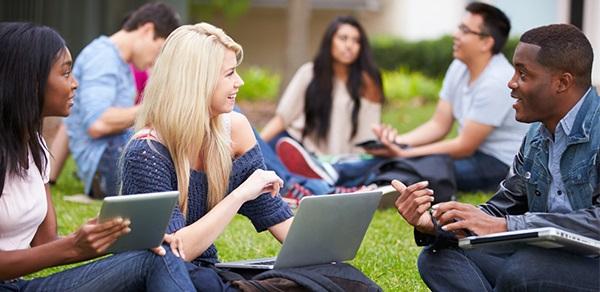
(299, 161)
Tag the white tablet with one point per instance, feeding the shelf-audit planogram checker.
(149, 215)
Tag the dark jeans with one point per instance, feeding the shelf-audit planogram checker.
(106, 179)
(524, 269)
(479, 172)
(275, 139)
(351, 173)
(129, 271)
(208, 278)
(356, 172)
(474, 173)
(272, 161)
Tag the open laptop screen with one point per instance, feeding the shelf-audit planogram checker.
(328, 228)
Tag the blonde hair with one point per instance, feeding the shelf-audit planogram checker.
(177, 102)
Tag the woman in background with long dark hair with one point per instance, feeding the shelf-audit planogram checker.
(332, 102)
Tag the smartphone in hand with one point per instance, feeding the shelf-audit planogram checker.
(371, 144)
(376, 144)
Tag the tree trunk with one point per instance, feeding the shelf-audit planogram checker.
(298, 30)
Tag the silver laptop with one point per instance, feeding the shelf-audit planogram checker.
(326, 229)
(547, 237)
(149, 215)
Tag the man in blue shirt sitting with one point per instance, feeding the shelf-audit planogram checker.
(555, 181)
(104, 110)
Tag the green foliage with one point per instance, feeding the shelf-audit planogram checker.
(259, 84)
(474, 198)
(431, 57)
(405, 116)
(509, 48)
(404, 85)
(206, 10)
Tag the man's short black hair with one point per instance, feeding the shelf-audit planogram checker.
(495, 23)
(163, 16)
(563, 47)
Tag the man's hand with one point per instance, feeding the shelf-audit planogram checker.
(457, 217)
(413, 203)
(388, 137)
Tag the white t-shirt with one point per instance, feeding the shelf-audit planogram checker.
(487, 101)
(23, 207)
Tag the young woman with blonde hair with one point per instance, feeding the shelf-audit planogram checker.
(188, 139)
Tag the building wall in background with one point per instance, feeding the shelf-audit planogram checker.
(591, 26)
(414, 20)
(78, 21)
(263, 30)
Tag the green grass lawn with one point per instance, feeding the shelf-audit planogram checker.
(388, 253)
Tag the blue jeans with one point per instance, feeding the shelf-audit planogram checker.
(128, 271)
(272, 161)
(276, 139)
(351, 173)
(206, 277)
(106, 180)
(356, 172)
(527, 268)
(479, 172)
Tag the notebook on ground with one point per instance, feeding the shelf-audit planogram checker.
(326, 229)
(547, 237)
(149, 215)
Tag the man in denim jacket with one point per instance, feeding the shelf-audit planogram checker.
(555, 181)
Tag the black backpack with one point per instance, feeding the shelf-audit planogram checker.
(438, 169)
(326, 277)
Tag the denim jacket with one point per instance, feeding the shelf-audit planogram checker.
(523, 197)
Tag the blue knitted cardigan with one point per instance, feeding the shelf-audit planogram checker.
(147, 167)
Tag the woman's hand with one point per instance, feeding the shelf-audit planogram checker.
(176, 244)
(92, 239)
(259, 182)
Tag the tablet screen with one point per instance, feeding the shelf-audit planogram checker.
(149, 215)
